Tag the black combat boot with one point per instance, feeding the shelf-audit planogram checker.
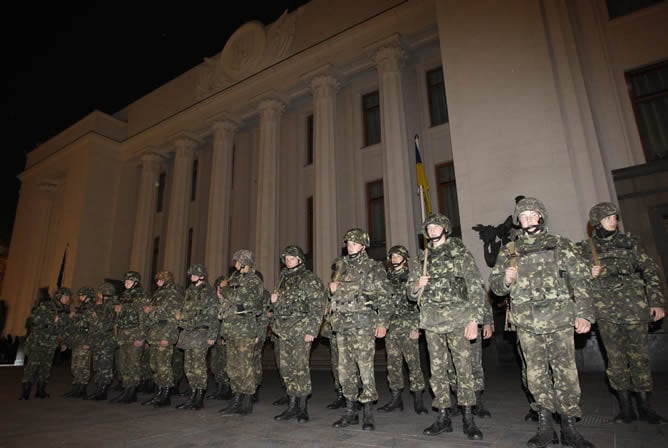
(470, 428)
(187, 392)
(570, 436)
(163, 398)
(350, 417)
(100, 393)
(234, 407)
(479, 409)
(645, 411)
(395, 403)
(546, 434)
(41, 390)
(282, 401)
(74, 393)
(247, 404)
(188, 403)
(418, 403)
(151, 401)
(531, 416)
(233, 402)
(291, 412)
(25, 391)
(120, 397)
(442, 423)
(302, 416)
(368, 422)
(84, 392)
(198, 401)
(118, 386)
(130, 395)
(339, 402)
(217, 395)
(626, 412)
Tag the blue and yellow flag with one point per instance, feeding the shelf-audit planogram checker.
(422, 177)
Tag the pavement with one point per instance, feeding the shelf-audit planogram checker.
(62, 422)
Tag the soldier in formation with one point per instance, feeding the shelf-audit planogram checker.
(218, 354)
(80, 339)
(102, 340)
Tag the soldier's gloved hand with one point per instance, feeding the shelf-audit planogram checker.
(657, 313)
(511, 275)
(582, 325)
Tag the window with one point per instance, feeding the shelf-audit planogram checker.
(438, 107)
(189, 253)
(619, 8)
(154, 259)
(648, 88)
(447, 195)
(161, 192)
(371, 114)
(376, 208)
(309, 140)
(193, 186)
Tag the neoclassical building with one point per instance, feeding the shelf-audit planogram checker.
(302, 128)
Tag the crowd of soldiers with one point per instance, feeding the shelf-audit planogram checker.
(555, 288)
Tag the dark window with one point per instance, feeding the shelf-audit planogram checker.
(309, 140)
(189, 253)
(161, 192)
(376, 207)
(371, 114)
(447, 195)
(619, 8)
(193, 186)
(154, 260)
(438, 106)
(648, 88)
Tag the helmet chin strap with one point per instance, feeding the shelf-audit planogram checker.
(532, 230)
(356, 254)
(602, 233)
(433, 239)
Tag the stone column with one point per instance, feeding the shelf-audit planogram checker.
(175, 243)
(220, 188)
(142, 241)
(398, 187)
(266, 217)
(325, 232)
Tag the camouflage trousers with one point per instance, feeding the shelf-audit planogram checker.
(523, 365)
(258, 351)
(295, 371)
(476, 367)
(194, 365)
(240, 364)
(177, 365)
(218, 362)
(357, 348)
(38, 365)
(552, 376)
(81, 364)
(129, 367)
(103, 363)
(146, 370)
(442, 346)
(399, 347)
(161, 364)
(627, 350)
(334, 358)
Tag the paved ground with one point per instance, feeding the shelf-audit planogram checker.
(60, 422)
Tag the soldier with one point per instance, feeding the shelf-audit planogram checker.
(48, 323)
(626, 291)
(102, 340)
(547, 286)
(298, 303)
(218, 357)
(402, 337)
(130, 335)
(162, 333)
(360, 311)
(446, 283)
(263, 319)
(243, 301)
(79, 338)
(200, 326)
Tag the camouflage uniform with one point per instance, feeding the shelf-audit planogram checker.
(623, 293)
(298, 312)
(453, 297)
(218, 358)
(263, 321)
(547, 296)
(48, 323)
(80, 338)
(102, 340)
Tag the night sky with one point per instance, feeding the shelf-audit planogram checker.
(62, 61)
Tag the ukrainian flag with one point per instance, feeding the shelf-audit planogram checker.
(421, 176)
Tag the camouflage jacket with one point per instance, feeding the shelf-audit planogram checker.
(363, 298)
(406, 315)
(454, 295)
(80, 327)
(301, 303)
(130, 326)
(550, 291)
(161, 320)
(629, 284)
(102, 324)
(242, 303)
(44, 331)
(199, 319)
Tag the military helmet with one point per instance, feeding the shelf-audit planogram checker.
(529, 204)
(398, 249)
(199, 270)
(87, 292)
(438, 219)
(358, 236)
(63, 291)
(600, 211)
(245, 257)
(106, 289)
(165, 276)
(133, 275)
(294, 251)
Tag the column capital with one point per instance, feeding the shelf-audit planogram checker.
(324, 85)
(185, 146)
(389, 58)
(151, 160)
(225, 126)
(271, 105)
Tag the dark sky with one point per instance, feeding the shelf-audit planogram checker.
(63, 61)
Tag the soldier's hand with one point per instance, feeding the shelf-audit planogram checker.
(148, 309)
(381, 332)
(657, 313)
(582, 325)
(178, 315)
(487, 331)
(56, 319)
(85, 347)
(414, 335)
(163, 343)
(308, 338)
(274, 297)
(223, 283)
(138, 344)
(471, 330)
(63, 348)
(117, 308)
(422, 282)
(210, 342)
(333, 286)
(596, 270)
(511, 275)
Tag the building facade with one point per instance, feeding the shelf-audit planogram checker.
(302, 128)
